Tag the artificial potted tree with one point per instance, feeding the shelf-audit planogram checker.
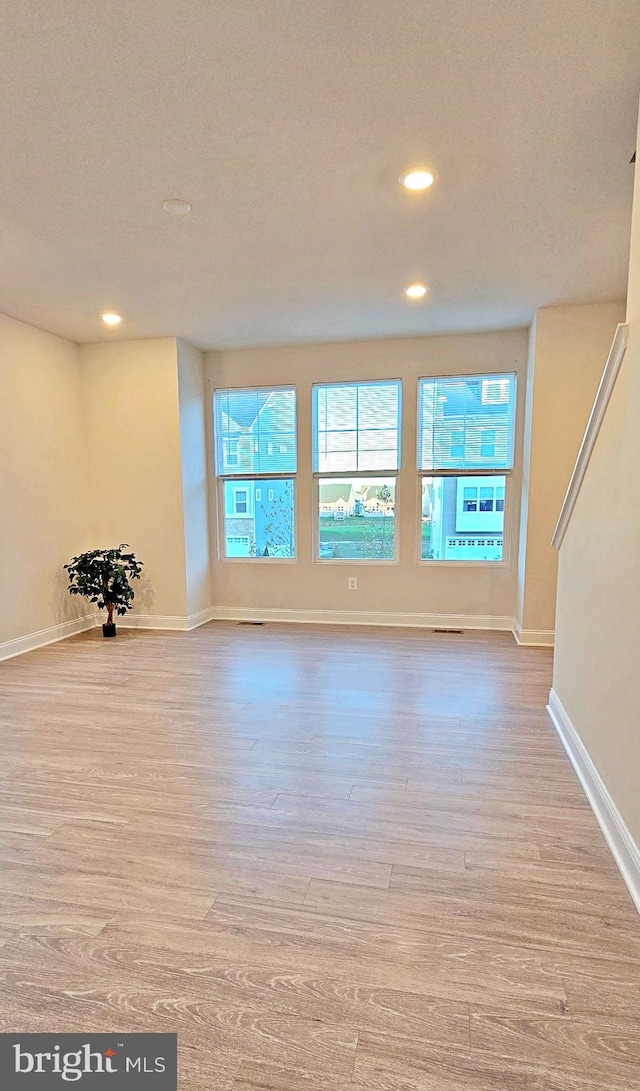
(103, 576)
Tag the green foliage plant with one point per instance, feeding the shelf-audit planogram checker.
(103, 576)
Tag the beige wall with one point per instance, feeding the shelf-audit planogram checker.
(482, 591)
(42, 479)
(568, 350)
(596, 676)
(133, 455)
(194, 466)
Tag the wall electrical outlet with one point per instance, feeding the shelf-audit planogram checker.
(352, 583)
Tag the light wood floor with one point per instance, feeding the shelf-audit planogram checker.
(330, 859)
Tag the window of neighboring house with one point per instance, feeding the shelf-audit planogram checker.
(256, 457)
(495, 391)
(356, 458)
(231, 452)
(465, 455)
(488, 443)
(487, 498)
(457, 445)
(470, 499)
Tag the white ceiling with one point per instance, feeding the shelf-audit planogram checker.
(286, 123)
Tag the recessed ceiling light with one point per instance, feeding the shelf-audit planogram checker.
(111, 319)
(176, 206)
(417, 179)
(416, 291)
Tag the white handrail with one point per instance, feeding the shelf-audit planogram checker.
(605, 390)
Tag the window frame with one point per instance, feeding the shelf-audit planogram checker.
(484, 471)
(341, 475)
(221, 479)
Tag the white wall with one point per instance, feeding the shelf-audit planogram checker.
(43, 485)
(567, 353)
(194, 447)
(483, 592)
(133, 456)
(596, 675)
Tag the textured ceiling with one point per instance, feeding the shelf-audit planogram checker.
(286, 123)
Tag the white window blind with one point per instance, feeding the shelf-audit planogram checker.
(356, 427)
(466, 423)
(255, 431)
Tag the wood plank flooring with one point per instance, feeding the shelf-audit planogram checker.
(330, 859)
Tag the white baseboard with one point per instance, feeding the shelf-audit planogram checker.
(533, 638)
(623, 847)
(201, 618)
(51, 635)
(365, 617)
(152, 621)
(179, 623)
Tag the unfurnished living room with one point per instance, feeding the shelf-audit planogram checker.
(319, 549)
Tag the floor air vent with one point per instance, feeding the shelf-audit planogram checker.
(251, 623)
(455, 632)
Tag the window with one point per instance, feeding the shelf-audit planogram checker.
(356, 518)
(356, 427)
(256, 457)
(356, 456)
(462, 518)
(465, 452)
(459, 429)
(470, 495)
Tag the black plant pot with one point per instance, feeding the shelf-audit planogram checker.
(108, 630)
